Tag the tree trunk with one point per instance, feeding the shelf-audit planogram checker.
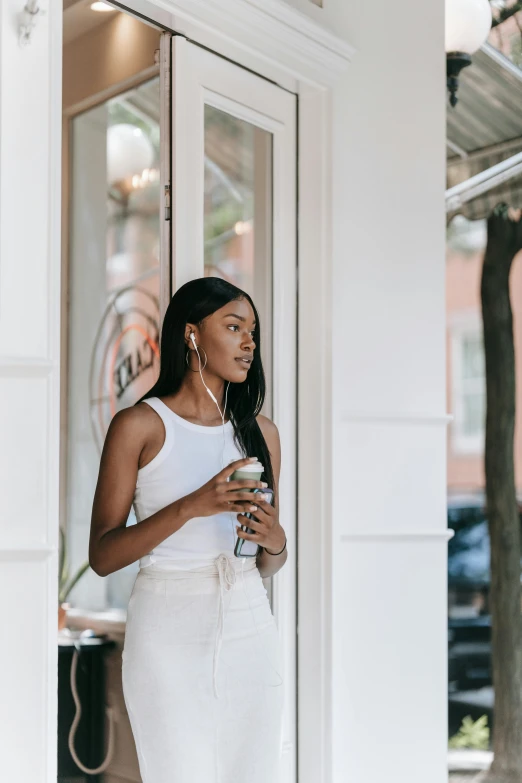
(504, 241)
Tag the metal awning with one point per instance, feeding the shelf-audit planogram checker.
(483, 130)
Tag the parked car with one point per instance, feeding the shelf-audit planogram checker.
(469, 622)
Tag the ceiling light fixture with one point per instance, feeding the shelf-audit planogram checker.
(102, 7)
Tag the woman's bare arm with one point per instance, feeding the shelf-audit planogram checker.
(112, 545)
(267, 564)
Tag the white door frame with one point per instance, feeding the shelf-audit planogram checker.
(278, 42)
(201, 78)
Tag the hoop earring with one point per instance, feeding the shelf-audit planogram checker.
(187, 356)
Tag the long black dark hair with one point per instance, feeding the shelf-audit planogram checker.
(192, 303)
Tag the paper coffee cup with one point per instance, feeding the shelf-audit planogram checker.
(252, 471)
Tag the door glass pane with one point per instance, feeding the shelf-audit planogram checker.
(238, 215)
(113, 313)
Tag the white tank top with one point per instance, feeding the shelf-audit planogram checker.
(190, 456)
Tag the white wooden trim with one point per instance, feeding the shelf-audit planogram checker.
(244, 112)
(384, 417)
(165, 171)
(315, 490)
(31, 367)
(26, 554)
(400, 536)
(54, 267)
(272, 30)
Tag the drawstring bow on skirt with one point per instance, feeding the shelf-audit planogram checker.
(225, 568)
(227, 580)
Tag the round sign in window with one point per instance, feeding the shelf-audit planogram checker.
(125, 356)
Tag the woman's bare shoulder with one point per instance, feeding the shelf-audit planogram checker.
(266, 424)
(271, 435)
(270, 432)
(133, 424)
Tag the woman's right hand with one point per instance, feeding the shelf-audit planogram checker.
(219, 494)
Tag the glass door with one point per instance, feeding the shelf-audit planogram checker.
(233, 215)
(237, 213)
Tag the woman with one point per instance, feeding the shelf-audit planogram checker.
(201, 664)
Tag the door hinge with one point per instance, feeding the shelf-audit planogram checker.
(167, 202)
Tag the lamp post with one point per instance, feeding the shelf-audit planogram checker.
(468, 23)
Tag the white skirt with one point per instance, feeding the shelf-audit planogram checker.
(202, 674)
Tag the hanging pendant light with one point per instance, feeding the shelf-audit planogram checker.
(468, 23)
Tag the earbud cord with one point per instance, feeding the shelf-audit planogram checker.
(217, 404)
(243, 559)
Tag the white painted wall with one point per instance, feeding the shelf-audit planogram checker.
(29, 394)
(389, 679)
(389, 587)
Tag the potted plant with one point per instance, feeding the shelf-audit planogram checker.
(66, 583)
(472, 734)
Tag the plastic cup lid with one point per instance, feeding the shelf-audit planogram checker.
(253, 467)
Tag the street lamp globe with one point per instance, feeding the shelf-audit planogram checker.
(468, 23)
(129, 152)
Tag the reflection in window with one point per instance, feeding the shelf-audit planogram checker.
(237, 177)
(113, 317)
(238, 215)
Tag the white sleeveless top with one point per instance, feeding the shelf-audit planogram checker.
(190, 456)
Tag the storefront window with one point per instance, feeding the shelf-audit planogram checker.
(113, 301)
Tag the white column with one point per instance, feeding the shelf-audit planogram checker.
(389, 680)
(30, 117)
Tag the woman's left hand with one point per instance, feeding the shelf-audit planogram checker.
(268, 532)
